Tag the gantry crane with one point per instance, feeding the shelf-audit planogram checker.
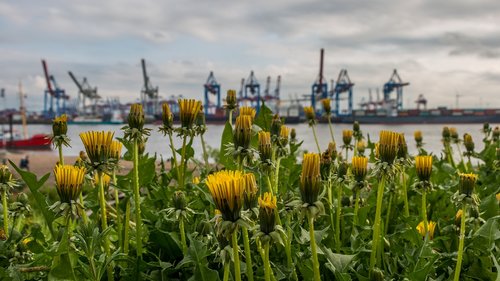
(85, 91)
(52, 92)
(421, 100)
(394, 83)
(252, 91)
(343, 85)
(149, 94)
(212, 87)
(272, 100)
(320, 87)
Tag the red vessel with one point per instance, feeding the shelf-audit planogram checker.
(36, 142)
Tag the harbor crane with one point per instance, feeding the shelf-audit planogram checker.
(421, 100)
(343, 85)
(272, 100)
(395, 83)
(252, 88)
(320, 87)
(53, 96)
(212, 88)
(149, 94)
(85, 91)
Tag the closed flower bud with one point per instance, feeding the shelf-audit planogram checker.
(251, 189)
(196, 180)
(200, 117)
(468, 142)
(242, 131)
(418, 136)
(423, 166)
(376, 274)
(388, 146)
(458, 218)
(359, 167)
(355, 126)
(446, 133)
(486, 127)
(454, 134)
(69, 180)
(248, 110)
(267, 212)
(97, 145)
(167, 117)
(361, 146)
(227, 189)
(342, 169)
(467, 183)
(333, 150)
(403, 148)
(136, 116)
(60, 126)
(231, 102)
(347, 137)
(310, 178)
(325, 164)
(5, 174)
(188, 111)
(284, 132)
(265, 147)
(431, 226)
(276, 126)
(179, 200)
(496, 133)
(310, 114)
(293, 135)
(326, 106)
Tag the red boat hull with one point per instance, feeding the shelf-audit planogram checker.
(36, 142)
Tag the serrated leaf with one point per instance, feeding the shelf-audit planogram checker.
(227, 137)
(263, 119)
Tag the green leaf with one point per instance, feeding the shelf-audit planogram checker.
(337, 261)
(489, 231)
(34, 185)
(197, 255)
(263, 119)
(227, 137)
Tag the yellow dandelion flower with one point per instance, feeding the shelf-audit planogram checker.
(188, 111)
(136, 116)
(423, 166)
(97, 145)
(69, 180)
(115, 149)
(403, 148)
(106, 179)
(347, 136)
(326, 106)
(431, 227)
(231, 102)
(166, 116)
(196, 180)
(60, 125)
(467, 183)
(310, 179)
(310, 114)
(265, 147)
(248, 110)
(388, 146)
(361, 146)
(267, 213)
(242, 131)
(227, 189)
(251, 189)
(418, 136)
(359, 167)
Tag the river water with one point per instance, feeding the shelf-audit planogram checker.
(157, 143)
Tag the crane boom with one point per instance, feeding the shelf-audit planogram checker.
(47, 78)
(145, 74)
(80, 88)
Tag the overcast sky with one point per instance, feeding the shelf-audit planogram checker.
(443, 48)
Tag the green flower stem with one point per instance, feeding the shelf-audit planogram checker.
(288, 249)
(405, 195)
(69, 230)
(230, 117)
(83, 213)
(267, 265)
(237, 270)
(205, 154)
(104, 224)
(460, 153)
(388, 214)
(346, 153)
(137, 201)
(118, 215)
(316, 139)
(226, 271)
(277, 175)
(174, 154)
(448, 154)
(5, 213)
(183, 165)
(356, 206)
(248, 254)
(314, 251)
(126, 228)
(330, 202)
(424, 211)
(183, 235)
(337, 217)
(458, 268)
(61, 158)
(331, 127)
(376, 226)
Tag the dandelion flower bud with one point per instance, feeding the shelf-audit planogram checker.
(454, 134)
(248, 110)
(251, 189)
(167, 117)
(267, 212)
(347, 137)
(431, 226)
(342, 169)
(136, 116)
(355, 126)
(458, 218)
(388, 146)
(423, 166)
(361, 146)
(359, 167)
(284, 132)
(326, 106)
(5, 175)
(69, 180)
(106, 179)
(496, 133)
(403, 148)
(179, 200)
(446, 133)
(265, 148)
(310, 179)
(97, 145)
(242, 131)
(60, 126)
(332, 147)
(115, 150)
(325, 164)
(467, 183)
(231, 102)
(227, 189)
(418, 136)
(275, 126)
(486, 127)
(293, 135)
(310, 114)
(468, 142)
(188, 111)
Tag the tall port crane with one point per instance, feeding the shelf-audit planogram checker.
(149, 94)
(212, 87)
(272, 99)
(395, 83)
(343, 85)
(53, 92)
(85, 91)
(252, 87)
(320, 87)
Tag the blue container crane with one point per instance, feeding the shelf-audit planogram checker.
(252, 87)
(212, 87)
(395, 83)
(53, 95)
(343, 85)
(272, 97)
(320, 86)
